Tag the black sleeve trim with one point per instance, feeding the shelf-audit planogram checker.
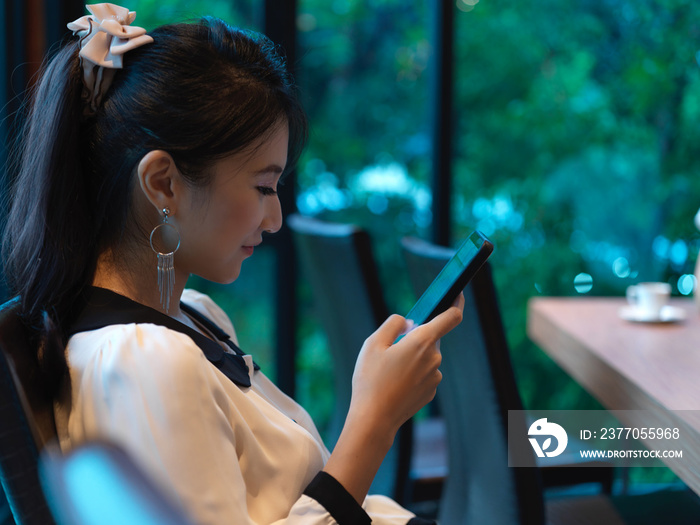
(421, 521)
(325, 489)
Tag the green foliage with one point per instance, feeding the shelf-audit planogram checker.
(153, 13)
(584, 117)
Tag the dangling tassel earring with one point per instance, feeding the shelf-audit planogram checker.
(166, 260)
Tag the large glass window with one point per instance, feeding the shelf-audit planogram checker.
(363, 73)
(576, 151)
(575, 127)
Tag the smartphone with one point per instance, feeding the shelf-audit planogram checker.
(452, 279)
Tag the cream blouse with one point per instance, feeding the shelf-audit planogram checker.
(229, 454)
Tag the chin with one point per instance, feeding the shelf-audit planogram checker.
(223, 277)
(229, 278)
(235, 275)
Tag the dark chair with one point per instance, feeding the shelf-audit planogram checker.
(26, 412)
(477, 391)
(339, 264)
(99, 484)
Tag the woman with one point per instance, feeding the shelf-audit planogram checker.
(147, 158)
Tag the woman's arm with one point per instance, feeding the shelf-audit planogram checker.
(390, 384)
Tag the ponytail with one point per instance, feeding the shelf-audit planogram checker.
(48, 244)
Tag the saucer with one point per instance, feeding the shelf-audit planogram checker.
(668, 314)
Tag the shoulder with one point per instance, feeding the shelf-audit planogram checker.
(134, 350)
(207, 307)
(141, 384)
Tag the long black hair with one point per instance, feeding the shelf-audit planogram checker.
(199, 91)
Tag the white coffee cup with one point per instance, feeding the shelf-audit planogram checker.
(649, 298)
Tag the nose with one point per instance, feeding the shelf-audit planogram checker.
(272, 222)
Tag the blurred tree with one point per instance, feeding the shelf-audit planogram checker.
(152, 13)
(579, 116)
(573, 143)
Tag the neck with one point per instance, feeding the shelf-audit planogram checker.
(138, 280)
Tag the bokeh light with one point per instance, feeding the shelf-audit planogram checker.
(583, 283)
(687, 283)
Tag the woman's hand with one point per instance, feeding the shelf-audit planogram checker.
(390, 384)
(393, 381)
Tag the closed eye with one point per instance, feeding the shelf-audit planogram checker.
(266, 190)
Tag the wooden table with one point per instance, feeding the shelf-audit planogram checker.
(629, 366)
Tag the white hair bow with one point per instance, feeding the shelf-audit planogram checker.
(105, 35)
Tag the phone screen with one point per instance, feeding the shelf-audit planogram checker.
(452, 279)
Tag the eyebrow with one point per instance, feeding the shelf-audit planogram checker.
(272, 168)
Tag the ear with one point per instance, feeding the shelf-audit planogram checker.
(160, 180)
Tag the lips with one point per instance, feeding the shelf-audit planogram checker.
(250, 249)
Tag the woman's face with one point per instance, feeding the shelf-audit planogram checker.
(221, 224)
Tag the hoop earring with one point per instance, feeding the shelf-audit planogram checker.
(166, 261)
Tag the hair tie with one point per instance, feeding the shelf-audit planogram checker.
(105, 35)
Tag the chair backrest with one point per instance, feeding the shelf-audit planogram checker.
(339, 265)
(477, 390)
(99, 484)
(26, 413)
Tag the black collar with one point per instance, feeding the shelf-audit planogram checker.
(104, 307)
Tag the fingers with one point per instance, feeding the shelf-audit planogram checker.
(396, 326)
(448, 319)
(393, 327)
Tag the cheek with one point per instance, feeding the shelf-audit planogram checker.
(239, 218)
(242, 216)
